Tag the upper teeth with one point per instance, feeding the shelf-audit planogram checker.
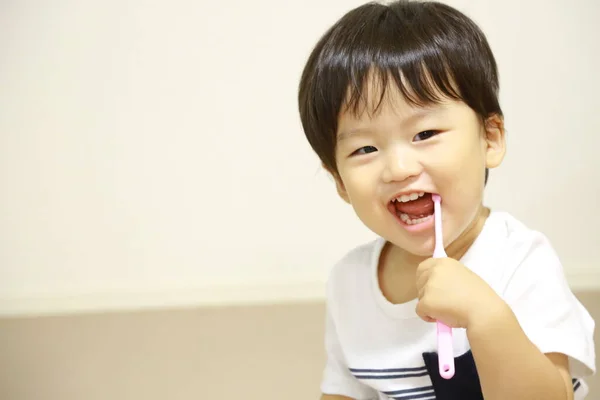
(409, 197)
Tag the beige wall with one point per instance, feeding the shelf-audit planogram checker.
(252, 353)
(136, 141)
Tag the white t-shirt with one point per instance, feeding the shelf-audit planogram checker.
(379, 350)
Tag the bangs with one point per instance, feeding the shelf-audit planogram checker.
(420, 59)
(367, 87)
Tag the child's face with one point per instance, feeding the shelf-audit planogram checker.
(402, 149)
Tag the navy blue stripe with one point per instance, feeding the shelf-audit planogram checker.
(415, 396)
(577, 385)
(391, 376)
(404, 391)
(423, 368)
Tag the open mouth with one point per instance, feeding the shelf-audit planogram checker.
(413, 209)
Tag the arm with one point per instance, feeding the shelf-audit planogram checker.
(520, 346)
(334, 397)
(510, 366)
(540, 328)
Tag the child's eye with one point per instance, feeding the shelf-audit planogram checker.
(425, 135)
(365, 150)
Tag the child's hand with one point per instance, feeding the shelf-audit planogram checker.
(453, 294)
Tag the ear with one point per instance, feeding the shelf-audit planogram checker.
(339, 185)
(495, 141)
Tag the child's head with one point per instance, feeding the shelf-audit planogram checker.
(403, 98)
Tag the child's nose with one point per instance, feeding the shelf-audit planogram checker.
(401, 165)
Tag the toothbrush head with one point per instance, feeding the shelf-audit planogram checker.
(436, 198)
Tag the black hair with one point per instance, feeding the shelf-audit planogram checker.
(429, 50)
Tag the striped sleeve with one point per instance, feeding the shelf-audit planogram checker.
(337, 377)
(580, 389)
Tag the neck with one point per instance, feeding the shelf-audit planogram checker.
(461, 245)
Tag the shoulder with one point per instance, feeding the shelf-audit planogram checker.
(507, 252)
(504, 246)
(516, 233)
(354, 268)
(528, 248)
(532, 271)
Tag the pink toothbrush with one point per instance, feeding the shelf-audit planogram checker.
(444, 332)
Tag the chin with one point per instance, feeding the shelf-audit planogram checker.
(425, 253)
(423, 249)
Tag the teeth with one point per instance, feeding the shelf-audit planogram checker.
(409, 197)
(409, 221)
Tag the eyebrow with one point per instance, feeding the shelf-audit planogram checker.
(352, 132)
(419, 113)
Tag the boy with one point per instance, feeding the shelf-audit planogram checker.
(400, 102)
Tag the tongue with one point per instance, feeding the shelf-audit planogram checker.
(421, 207)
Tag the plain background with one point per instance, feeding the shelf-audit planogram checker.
(151, 152)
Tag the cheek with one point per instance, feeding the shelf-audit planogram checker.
(463, 159)
(461, 179)
(361, 186)
(359, 190)
(465, 179)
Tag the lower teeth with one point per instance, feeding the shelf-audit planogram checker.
(411, 221)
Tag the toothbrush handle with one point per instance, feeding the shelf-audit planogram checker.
(444, 332)
(445, 350)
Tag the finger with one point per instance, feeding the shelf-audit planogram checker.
(421, 311)
(426, 265)
(422, 278)
(421, 284)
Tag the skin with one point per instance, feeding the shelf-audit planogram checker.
(442, 149)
